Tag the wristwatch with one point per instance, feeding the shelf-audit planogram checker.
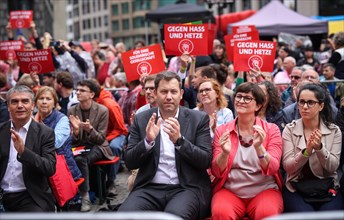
(179, 141)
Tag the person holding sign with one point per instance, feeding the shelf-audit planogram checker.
(171, 146)
(246, 160)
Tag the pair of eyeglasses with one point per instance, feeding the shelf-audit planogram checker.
(247, 99)
(149, 88)
(82, 90)
(310, 103)
(206, 90)
(295, 77)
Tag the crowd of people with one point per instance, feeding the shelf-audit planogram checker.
(200, 139)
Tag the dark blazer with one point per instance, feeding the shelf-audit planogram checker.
(38, 159)
(192, 159)
(99, 118)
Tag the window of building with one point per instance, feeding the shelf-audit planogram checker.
(125, 8)
(114, 9)
(70, 14)
(94, 36)
(166, 2)
(115, 26)
(125, 24)
(139, 5)
(106, 20)
(106, 36)
(89, 23)
(83, 24)
(95, 22)
(99, 5)
(246, 4)
(100, 36)
(105, 4)
(331, 7)
(138, 22)
(94, 5)
(70, 28)
(262, 3)
(99, 21)
(75, 2)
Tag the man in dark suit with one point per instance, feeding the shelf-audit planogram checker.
(89, 121)
(171, 146)
(27, 156)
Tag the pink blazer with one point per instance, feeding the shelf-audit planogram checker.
(272, 144)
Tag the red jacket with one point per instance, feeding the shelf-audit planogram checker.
(116, 124)
(272, 144)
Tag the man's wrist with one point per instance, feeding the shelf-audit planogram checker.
(149, 142)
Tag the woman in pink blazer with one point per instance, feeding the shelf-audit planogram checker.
(246, 161)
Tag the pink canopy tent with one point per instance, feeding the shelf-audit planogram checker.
(275, 17)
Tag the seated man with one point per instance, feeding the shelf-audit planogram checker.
(89, 121)
(27, 157)
(171, 146)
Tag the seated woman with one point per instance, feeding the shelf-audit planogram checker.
(246, 161)
(311, 150)
(271, 110)
(46, 100)
(213, 102)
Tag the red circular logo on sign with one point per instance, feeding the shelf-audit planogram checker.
(10, 54)
(35, 67)
(144, 68)
(255, 62)
(20, 23)
(185, 46)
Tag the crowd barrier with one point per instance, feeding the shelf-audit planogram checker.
(309, 215)
(89, 216)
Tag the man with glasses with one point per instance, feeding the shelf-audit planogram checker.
(287, 95)
(89, 122)
(150, 96)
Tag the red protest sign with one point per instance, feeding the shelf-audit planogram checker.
(7, 49)
(20, 19)
(146, 60)
(181, 38)
(230, 39)
(257, 55)
(243, 29)
(39, 61)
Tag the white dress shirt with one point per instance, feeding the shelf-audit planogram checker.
(13, 179)
(167, 171)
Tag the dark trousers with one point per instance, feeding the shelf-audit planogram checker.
(165, 198)
(83, 161)
(293, 202)
(21, 202)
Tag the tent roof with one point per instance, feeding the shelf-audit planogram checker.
(275, 17)
(183, 12)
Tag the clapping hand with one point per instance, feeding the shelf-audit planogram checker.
(213, 121)
(152, 129)
(17, 141)
(225, 142)
(258, 136)
(172, 128)
(314, 141)
(86, 125)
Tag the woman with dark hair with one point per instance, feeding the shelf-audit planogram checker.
(246, 161)
(219, 55)
(221, 76)
(311, 152)
(271, 110)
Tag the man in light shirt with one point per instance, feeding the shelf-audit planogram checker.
(27, 155)
(171, 146)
